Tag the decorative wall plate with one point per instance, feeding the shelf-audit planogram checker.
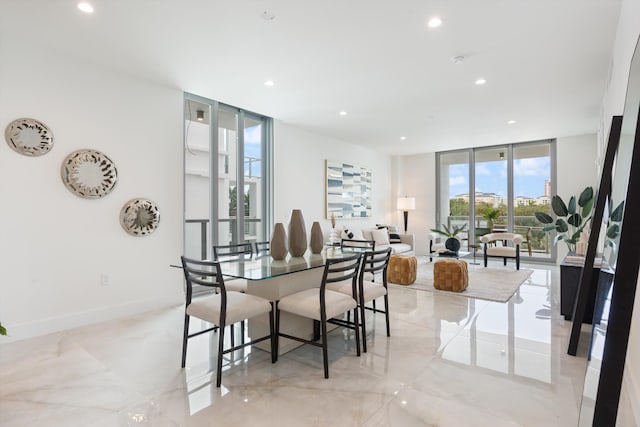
(89, 174)
(139, 217)
(29, 137)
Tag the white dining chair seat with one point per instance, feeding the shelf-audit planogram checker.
(502, 251)
(240, 306)
(371, 290)
(307, 303)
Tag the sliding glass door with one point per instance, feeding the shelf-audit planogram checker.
(230, 188)
(499, 190)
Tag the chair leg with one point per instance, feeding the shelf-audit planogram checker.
(316, 330)
(184, 339)
(504, 261)
(325, 355)
(364, 327)
(485, 259)
(386, 313)
(274, 355)
(357, 329)
(242, 331)
(277, 332)
(220, 350)
(233, 335)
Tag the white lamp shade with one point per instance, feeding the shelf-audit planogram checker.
(406, 203)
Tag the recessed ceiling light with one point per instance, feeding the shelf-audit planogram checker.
(481, 81)
(343, 113)
(269, 83)
(434, 22)
(85, 7)
(402, 138)
(511, 122)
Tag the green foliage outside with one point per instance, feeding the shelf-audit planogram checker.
(3, 330)
(233, 203)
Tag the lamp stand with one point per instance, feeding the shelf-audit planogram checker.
(406, 220)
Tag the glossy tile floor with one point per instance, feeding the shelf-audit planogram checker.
(450, 361)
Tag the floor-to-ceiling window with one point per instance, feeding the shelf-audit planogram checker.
(499, 188)
(227, 165)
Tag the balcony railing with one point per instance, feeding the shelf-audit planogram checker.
(539, 240)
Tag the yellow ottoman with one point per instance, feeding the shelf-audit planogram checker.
(402, 269)
(450, 275)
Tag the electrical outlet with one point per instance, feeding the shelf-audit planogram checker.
(104, 279)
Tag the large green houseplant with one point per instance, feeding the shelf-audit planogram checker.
(571, 218)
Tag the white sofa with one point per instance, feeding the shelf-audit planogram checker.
(406, 245)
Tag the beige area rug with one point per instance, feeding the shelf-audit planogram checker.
(491, 283)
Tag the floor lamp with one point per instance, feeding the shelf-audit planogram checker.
(406, 204)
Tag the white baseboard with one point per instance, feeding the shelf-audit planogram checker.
(22, 331)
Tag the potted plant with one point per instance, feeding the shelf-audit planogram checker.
(452, 243)
(571, 218)
(490, 214)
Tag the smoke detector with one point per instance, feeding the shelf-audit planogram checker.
(268, 16)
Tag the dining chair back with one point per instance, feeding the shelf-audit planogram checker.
(262, 248)
(232, 252)
(220, 309)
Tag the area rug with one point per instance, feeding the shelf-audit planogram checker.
(491, 283)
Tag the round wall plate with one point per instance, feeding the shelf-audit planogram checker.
(139, 217)
(29, 137)
(89, 174)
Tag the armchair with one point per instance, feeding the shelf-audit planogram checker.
(510, 247)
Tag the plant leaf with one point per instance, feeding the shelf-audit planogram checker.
(586, 209)
(572, 205)
(544, 218)
(558, 238)
(616, 215)
(3, 330)
(612, 231)
(585, 196)
(575, 220)
(549, 227)
(558, 206)
(561, 226)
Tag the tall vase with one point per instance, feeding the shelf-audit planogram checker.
(278, 246)
(317, 239)
(297, 234)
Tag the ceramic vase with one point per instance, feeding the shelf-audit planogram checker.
(316, 242)
(297, 234)
(278, 246)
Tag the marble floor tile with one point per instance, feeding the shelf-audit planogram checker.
(450, 361)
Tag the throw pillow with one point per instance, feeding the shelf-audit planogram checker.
(394, 238)
(381, 237)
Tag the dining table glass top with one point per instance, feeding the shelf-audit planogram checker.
(265, 267)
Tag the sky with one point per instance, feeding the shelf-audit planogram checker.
(491, 177)
(253, 146)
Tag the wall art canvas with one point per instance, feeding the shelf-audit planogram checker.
(348, 190)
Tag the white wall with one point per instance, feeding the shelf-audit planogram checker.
(299, 177)
(417, 178)
(54, 245)
(576, 170)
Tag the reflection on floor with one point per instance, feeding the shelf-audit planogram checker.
(450, 361)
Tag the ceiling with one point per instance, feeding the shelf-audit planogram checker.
(546, 62)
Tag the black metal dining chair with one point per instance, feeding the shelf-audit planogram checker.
(262, 248)
(224, 307)
(324, 305)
